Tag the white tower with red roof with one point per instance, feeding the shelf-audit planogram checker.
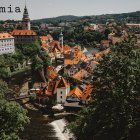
(63, 89)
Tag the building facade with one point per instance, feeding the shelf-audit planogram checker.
(7, 44)
(63, 89)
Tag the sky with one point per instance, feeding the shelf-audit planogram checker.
(52, 8)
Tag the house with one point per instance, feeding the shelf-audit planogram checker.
(80, 75)
(62, 90)
(74, 95)
(7, 44)
(74, 56)
(24, 36)
(57, 88)
(91, 27)
(71, 69)
(132, 25)
(80, 94)
(52, 73)
(98, 55)
(105, 43)
(46, 39)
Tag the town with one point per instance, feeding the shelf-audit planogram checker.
(58, 66)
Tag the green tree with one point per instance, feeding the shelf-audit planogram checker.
(13, 117)
(114, 104)
(40, 64)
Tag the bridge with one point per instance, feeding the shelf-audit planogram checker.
(21, 96)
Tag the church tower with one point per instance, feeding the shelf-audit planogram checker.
(61, 41)
(26, 20)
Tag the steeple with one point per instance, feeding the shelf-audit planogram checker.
(26, 20)
(61, 40)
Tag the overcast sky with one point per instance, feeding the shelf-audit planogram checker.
(51, 8)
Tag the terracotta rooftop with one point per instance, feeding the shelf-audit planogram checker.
(87, 91)
(45, 38)
(5, 36)
(80, 75)
(23, 32)
(75, 91)
(81, 95)
(62, 83)
(52, 73)
(100, 54)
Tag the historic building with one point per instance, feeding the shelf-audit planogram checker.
(6, 43)
(24, 36)
(26, 25)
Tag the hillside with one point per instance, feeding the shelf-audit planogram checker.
(128, 17)
(58, 19)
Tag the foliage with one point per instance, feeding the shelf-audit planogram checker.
(78, 36)
(28, 50)
(3, 89)
(13, 119)
(114, 104)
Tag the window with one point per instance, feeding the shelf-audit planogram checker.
(61, 97)
(61, 92)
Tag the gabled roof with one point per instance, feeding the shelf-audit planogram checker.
(62, 83)
(76, 91)
(81, 95)
(87, 91)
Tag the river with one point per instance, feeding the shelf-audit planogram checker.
(41, 129)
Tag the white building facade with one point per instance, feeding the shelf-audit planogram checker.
(7, 44)
(62, 90)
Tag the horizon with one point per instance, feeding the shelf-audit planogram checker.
(53, 8)
(73, 15)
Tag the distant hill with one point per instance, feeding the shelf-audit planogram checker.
(128, 17)
(58, 19)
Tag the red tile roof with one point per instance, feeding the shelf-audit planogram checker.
(47, 37)
(63, 83)
(81, 95)
(75, 91)
(5, 36)
(23, 32)
(52, 73)
(80, 75)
